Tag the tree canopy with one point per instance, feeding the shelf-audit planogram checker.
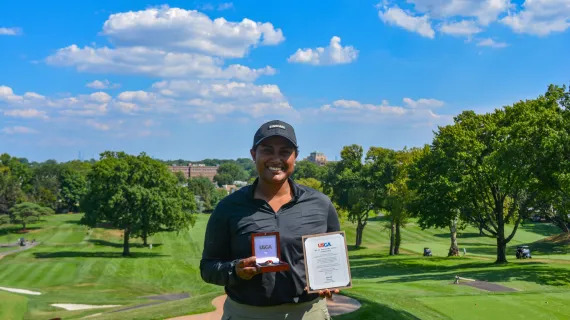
(136, 194)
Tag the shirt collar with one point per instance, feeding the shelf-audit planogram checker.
(297, 191)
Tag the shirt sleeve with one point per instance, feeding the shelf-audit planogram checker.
(217, 266)
(333, 223)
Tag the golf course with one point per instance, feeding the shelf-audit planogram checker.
(73, 264)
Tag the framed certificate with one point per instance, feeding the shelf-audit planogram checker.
(326, 261)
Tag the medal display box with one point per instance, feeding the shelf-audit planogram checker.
(265, 247)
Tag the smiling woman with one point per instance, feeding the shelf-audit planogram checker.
(273, 204)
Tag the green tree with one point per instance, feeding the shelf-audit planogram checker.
(26, 211)
(349, 185)
(203, 187)
(306, 169)
(230, 172)
(138, 195)
(10, 191)
(73, 188)
(180, 177)
(498, 165)
(398, 196)
(311, 183)
(437, 203)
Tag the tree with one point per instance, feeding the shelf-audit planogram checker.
(437, 202)
(10, 190)
(307, 169)
(203, 187)
(73, 188)
(25, 211)
(349, 186)
(229, 172)
(180, 177)
(224, 179)
(136, 194)
(398, 196)
(311, 183)
(44, 185)
(496, 166)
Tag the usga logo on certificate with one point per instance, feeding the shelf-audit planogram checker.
(324, 244)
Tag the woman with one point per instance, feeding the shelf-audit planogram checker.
(273, 203)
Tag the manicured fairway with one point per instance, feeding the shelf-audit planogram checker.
(75, 265)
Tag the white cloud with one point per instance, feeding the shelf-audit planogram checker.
(10, 31)
(154, 62)
(176, 29)
(469, 17)
(461, 28)
(408, 21)
(412, 113)
(100, 85)
(486, 11)
(92, 104)
(335, 53)
(225, 6)
(210, 99)
(18, 130)
(423, 103)
(540, 17)
(98, 125)
(491, 43)
(26, 113)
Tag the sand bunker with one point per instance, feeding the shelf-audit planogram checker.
(20, 291)
(73, 307)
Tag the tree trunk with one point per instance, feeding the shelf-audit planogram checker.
(501, 251)
(501, 243)
(24, 225)
(126, 251)
(144, 236)
(359, 231)
(453, 248)
(392, 237)
(480, 229)
(398, 239)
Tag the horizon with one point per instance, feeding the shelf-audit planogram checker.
(142, 77)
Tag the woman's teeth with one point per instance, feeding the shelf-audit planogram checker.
(274, 168)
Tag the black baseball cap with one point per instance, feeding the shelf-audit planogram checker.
(275, 128)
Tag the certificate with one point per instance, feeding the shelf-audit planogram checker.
(326, 261)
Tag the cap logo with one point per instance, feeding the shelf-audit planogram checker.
(276, 126)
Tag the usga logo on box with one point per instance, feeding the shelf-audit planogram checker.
(324, 244)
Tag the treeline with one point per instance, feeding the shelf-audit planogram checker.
(490, 171)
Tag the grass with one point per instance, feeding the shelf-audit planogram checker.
(75, 265)
(13, 306)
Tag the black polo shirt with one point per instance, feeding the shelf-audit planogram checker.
(228, 239)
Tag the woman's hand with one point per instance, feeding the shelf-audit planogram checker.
(247, 268)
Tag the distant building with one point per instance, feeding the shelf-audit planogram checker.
(317, 158)
(230, 188)
(196, 170)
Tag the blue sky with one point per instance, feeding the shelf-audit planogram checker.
(194, 80)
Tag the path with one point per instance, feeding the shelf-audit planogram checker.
(489, 286)
(5, 253)
(340, 305)
(161, 299)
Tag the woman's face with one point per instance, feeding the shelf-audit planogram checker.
(274, 159)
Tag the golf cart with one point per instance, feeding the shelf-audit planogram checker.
(523, 252)
(427, 252)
